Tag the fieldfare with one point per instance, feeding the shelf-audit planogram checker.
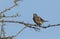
(38, 20)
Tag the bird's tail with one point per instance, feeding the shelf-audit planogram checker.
(45, 21)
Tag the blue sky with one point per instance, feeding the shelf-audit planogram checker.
(47, 9)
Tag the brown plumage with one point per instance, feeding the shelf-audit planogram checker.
(38, 20)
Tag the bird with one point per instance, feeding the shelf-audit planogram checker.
(38, 20)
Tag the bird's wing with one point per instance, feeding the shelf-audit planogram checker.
(37, 19)
(42, 19)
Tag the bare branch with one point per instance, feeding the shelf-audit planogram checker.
(19, 32)
(15, 1)
(34, 26)
(50, 25)
(7, 9)
(4, 16)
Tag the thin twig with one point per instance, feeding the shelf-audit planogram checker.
(30, 25)
(15, 1)
(20, 31)
(4, 16)
(7, 9)
(53, 25)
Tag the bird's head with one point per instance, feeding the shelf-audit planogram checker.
(34, 14)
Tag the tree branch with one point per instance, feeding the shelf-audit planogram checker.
(7, 9)
(50, 25)
(15, 1)
(34, 26)
(4, 16)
